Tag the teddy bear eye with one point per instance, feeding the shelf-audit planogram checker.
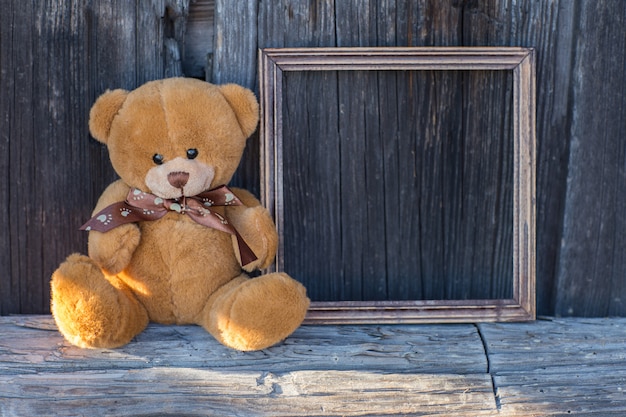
(157, 158)
(192, 153)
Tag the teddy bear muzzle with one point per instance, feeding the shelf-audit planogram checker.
(179, 177)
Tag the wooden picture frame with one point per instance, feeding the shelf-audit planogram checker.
(275, 63)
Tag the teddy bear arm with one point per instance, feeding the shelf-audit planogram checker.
(254, 223)
(113, 249)
(114, 193)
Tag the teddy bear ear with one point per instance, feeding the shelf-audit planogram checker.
(103, 111)
(244, 104)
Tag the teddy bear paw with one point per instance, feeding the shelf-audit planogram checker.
(89, 310)
(261, 312)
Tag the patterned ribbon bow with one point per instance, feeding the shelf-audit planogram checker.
(140, 206)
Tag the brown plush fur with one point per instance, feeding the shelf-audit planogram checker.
(174, 270)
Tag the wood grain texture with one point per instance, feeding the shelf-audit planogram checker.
(591, 278)
(559, 366)
(385, 220)
(234, 61)
(194, 392)
(34, 345)
(319, 370)
(551, 367)
(56, 58)
(199, 40)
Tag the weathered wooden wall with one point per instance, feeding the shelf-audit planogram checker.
(56, 56)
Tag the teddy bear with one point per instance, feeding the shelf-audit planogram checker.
(169, 242)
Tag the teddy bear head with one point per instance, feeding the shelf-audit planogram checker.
(175, 137)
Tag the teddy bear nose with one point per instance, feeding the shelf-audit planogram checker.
(178, 179)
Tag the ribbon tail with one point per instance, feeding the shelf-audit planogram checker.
(218, 222)
(246, 254)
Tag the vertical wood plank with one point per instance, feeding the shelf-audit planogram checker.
(59, 105)
(548, 27)
(17, 41)
(555, 46)
(235, 43)
(235, 61)
(405, 257)
(311, 151)
(592, 265)
(358, 189)
(7, 66)
(362, 170)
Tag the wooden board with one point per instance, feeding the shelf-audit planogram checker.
(35, 345)
(555, 343)
(545, 368)
(183, 371)
(592, 268)
(558, 367)
(199, 392)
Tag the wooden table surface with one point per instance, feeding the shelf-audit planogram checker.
(547, 367)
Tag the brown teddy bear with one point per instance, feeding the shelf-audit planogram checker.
(167, 241)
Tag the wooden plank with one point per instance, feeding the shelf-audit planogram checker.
(356, 223)
(319, 370)
(235, 61)
(592, 267)
(554, 343)
(187, 392)
(32, 344)
(6, 95)
(297, 24)
(235, 47)
(24, 174)
(197, 59)
(311, 150)
(11, 64)
(574, 390)
(556, 47)
(558, 367)
(60, 97)
(403, 219)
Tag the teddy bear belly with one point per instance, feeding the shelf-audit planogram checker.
(177, 266)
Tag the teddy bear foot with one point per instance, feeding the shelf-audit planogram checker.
(93, 310)
(253, 314)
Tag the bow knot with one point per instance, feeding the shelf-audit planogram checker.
(141, 206)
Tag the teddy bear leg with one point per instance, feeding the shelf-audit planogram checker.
(91, 309)
(252, 314)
